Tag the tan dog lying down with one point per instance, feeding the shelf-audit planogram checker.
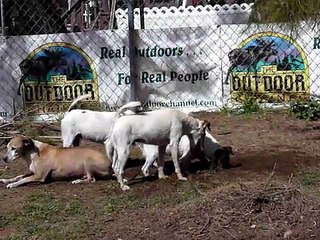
(59, 163)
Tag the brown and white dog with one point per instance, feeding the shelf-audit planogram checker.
(45, 160)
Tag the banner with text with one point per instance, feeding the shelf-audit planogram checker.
(269, 64)
(191, 69)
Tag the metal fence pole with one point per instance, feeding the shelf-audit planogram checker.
(2, 17)
(132, 62)
(141, 3)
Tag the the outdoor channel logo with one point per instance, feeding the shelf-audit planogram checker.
(269, 66)
(54, 74)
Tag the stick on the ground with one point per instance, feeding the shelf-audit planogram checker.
(270, 176)
(206, 225)
(52, 137)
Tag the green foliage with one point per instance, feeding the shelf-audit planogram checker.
(288, 14)
(225, 110)
(249, 105)
(310, 179)
(309, 110)
(184, 193)
(46, 215)
(42, 215)
(14, 237)
(285, 11)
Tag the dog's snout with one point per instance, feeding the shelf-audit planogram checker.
(5, 158)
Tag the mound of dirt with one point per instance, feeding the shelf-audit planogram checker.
(247, 211)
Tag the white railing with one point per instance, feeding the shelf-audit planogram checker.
(199, 16)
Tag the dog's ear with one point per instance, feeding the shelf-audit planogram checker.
(218, 153)
(206, 124)
(27, 142)
(229, 150)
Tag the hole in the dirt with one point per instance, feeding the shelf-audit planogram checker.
(260, 200)
(288, 160)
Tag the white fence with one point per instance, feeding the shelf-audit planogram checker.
(173, 17)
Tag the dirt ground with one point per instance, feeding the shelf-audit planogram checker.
(274, 194)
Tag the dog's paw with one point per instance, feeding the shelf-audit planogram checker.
(182, 178)
(145, 173)
(10, 185)
(163, 177)
(125, 187)
(3, 180)
(76, 181)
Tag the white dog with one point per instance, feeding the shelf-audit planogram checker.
(87, 124)
(159, 127)
(212, 151)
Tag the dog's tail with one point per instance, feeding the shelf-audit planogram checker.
(111, 152)
(78, 99)
(109, 149)
(134, 106)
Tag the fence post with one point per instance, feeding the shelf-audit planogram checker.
(132, 62)
(141, 3)
(2, 17)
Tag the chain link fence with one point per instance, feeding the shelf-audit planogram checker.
(55, 51)
(187, 54)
